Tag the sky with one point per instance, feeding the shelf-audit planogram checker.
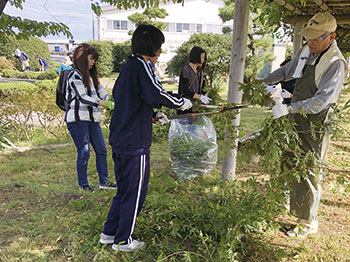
(76, 14)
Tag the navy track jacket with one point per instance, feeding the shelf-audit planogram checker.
(136, 92)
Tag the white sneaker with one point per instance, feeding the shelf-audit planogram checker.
(106, 239)
(133, 246)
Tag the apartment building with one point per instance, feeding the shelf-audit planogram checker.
(194, 16)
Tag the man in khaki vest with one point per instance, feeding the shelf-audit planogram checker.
(319, 69)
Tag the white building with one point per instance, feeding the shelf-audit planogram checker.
(194, 16)
(59, 48)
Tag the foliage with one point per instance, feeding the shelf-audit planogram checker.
(338, 119)
(121, 52)
(25, 28)
(105, 61)
(4, 137)
(5, 64)
(127, 4)
(259, 43)
(218, 48)
(31, 46)
(149, 16)
(112, 56)
(254, 92)
(48, 74)
(192, 147)
(12, 88)
(21, 117)
(203, 219)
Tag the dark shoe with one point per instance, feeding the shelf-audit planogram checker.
(86, 188)
(108, 185)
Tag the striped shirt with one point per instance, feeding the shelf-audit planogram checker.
(84, 101)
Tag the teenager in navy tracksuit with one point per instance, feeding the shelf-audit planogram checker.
(43, 63)
(136, 92)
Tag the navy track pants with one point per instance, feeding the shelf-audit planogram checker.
(132, 175)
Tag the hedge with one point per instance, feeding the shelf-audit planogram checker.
(112, 56)
(48, 74)
(11, 88)
(105, 60)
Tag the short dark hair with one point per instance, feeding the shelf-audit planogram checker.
(146, 40)
(195, 55)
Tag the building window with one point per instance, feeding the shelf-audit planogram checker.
(199, 28)
(216, 29)
(120, 25)
(180, 27)
(186, 27)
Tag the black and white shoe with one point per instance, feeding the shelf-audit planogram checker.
(108, 185)
(86, 188)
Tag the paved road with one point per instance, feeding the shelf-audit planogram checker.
(5, 80)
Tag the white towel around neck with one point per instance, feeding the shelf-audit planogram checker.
(304, 55)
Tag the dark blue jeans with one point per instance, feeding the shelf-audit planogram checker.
(84, 133)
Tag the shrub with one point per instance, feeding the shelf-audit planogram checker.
(218, 49)
(105, 60)
(121, 52)
(26, 106)
(4, 137)
(49, 85)
(48, 74)
(32, 47)
(5, 64)
(11, 88)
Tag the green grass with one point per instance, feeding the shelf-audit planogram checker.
(43, 216)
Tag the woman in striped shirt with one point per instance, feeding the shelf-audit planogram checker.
(86, 95)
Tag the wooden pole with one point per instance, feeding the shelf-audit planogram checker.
(2, 5)
(298, 39)
(238, 53)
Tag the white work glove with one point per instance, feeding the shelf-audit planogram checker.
(270, 89)
(279, 110)
(161, 118)
(286, 94)
(204, 99)
(276, 94)
(187, 104)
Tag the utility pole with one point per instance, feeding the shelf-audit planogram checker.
(92, 22)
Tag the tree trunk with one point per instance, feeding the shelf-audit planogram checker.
(2, 5)
(238, 53)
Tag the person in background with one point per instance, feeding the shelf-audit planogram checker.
(319, 69)
(43, 63)
(191, 83)
(158, 73)
(136, 92)
(83, 115)
(23, 58)
(67, 65)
